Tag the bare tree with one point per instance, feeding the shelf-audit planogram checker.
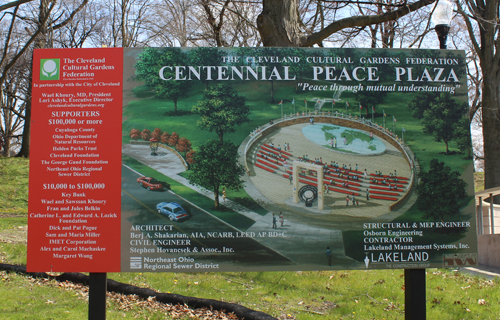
(175, 23)
(125, 23)
(210, 23)
(279, 23)
(31, 26)
(15, 45)
(229, 22)
(83, 28)
(481, 18)
(241, 30)
(13, 106)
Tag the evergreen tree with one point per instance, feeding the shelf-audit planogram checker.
(440, 191)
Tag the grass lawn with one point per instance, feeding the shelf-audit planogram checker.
(288, 295)
(14, 185)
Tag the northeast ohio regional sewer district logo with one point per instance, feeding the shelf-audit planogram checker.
(49, 69)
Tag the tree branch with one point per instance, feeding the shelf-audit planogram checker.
(13, 4)
(71, 16)
(362, 21)
(9, 34)
(470, 29)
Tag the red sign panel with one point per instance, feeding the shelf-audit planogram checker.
(75, 177)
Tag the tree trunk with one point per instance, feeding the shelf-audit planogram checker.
(25, 145)
(216, 195)
(373, 33)
(5, 141)
(278, 24)
(123, 27)
(6, 147)
(272, 91)
(490, 66)
(212, 21)
(491, 130)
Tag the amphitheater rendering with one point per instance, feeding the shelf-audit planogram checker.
(377, 172)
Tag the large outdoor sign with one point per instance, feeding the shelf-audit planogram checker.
(247, 159)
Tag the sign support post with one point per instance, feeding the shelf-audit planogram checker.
(415, 294)
(97, 296)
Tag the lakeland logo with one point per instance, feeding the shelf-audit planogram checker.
(49, 69)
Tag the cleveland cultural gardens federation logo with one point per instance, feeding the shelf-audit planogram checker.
(49, 69)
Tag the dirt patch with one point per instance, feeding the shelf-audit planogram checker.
(12, 215)
(15, 235)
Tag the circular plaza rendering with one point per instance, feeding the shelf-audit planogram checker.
(363, 169)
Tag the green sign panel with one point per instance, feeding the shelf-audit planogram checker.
(247, 159)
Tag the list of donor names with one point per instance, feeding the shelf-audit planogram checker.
(74, 204)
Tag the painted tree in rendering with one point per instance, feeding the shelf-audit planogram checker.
(440, 115)
(222, 110)
(441, 192)
(216, 165)
(152, 68)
